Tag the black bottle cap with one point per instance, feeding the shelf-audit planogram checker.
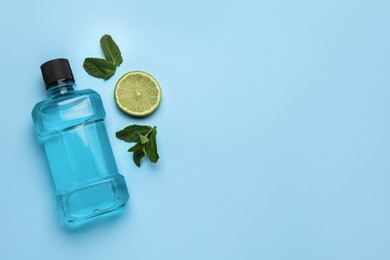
(56, 71)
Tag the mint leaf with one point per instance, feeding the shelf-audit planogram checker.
(137, 146)
(131, 133)
(151, 146)
(137, 156)
(99, 68)
(111, 50)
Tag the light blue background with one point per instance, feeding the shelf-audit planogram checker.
(274, 129)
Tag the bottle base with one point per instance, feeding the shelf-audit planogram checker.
(92, 199)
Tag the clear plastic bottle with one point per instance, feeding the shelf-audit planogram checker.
(70, 124)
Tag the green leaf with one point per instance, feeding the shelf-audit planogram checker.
(111, 50)
(137, 146)
(99, 68)
(151, 146)
(137, 156)
(132, 132)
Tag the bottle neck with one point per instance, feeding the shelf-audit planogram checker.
(61, 89)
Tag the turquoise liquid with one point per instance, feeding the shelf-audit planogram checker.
(70, 125)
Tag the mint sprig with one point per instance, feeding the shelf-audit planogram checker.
(145, 138)
(104, 68)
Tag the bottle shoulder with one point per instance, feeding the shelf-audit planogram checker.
(58, 112)
(84, 93)
(87, 91)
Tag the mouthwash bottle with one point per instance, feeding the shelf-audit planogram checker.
(70, 125)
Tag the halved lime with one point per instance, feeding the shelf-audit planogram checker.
(137, 93)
